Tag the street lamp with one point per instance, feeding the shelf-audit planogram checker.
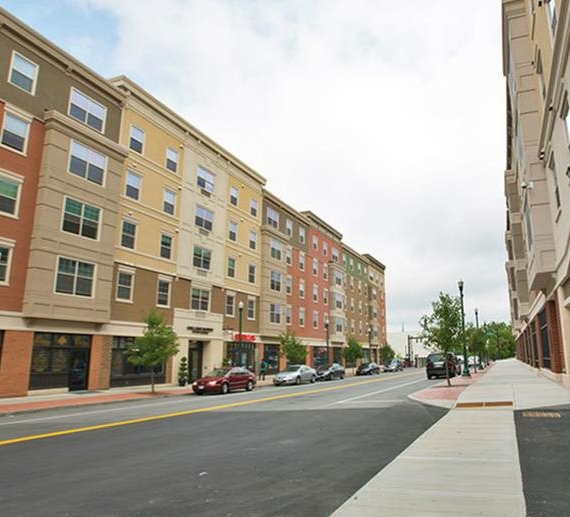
(477, 327)
(327, 336)
(372, 358)
(240, 315)
(465, 358)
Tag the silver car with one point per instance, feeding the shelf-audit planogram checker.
(295, 374)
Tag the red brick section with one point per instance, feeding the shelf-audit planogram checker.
(15, 365)
(442, 391)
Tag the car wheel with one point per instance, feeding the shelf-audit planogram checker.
(429, 377)
(298, 380)
(331, 377)
(225, 388)
(249, 386)
(199, 393)
(313, 379)
(341, 376)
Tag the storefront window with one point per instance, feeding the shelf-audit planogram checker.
(124, 373)
(271, 354)
(241, 355)
(320, 356)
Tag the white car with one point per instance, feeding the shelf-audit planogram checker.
(295, 374)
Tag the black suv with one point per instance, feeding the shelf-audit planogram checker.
(435, 364)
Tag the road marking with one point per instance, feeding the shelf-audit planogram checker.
(110, 425)
(376, 392)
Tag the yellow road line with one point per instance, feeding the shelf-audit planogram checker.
(183, 413)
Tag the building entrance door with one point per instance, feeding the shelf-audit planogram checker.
(195, 352)
(78, 368)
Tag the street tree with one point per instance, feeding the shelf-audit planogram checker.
(292, 348)
(387, 353)
(499, 340)
(441, 330)
(353, 350)
(158, 343)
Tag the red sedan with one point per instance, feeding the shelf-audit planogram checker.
(224, 380)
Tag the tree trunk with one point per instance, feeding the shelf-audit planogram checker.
(447, 372)
(152, 380)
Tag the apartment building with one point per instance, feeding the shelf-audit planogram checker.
(535, 63)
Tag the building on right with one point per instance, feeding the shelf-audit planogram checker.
(536, 42)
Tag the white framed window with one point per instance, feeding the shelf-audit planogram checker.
(339, 301)
(325, 271)
(230, 305)
(275, 281)
(325, 296)
(315, 293)
(15, 132)
(252, 240)
(202, 257)
(334, 255)
(232, 231)
(204, 218)
(301, 235)
(125, 285)
(205, 180)
(171, 159)
(325, 249)
(275, 249)
(301, 289)
(315, 242)
(275, 313)
(163, 293)
(288, 285)
(128, 234)
(251, 308)
(272, 218)
(288, 315)
(302, 261)
(74, 277)
(166, 246)
(315, 267)
(551, 4)
(289, 227)
(315, 319)
(253, 207)
(251, 273)
(23, 73)
(80, 218)
(288, 256)
(10, 188)
(565, 113)
(87, 110)
(231, 267)
(168, 202)
(133, 185)
(136, 139)
(339, 325)
(234, 196)
(200, 299)
(87, 163)
(6, 253)
(301, 316)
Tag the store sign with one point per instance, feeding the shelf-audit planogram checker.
(199, 330)
(244, 337)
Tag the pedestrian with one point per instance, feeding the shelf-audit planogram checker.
(262, 368)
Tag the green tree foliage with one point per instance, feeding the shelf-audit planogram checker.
(441, 329)
(387, 353)
(155, 346)
(353, 350)
(183, 371)
(499, 340)
(292, 348)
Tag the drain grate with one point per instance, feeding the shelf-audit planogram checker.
(497, 403)
(541, 414)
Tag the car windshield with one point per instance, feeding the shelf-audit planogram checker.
(292, 368)
(364, 365)
(218, 372)
(436, 357)
(323, 368)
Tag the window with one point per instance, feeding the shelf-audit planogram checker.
(232, 231)
(335, 255)
(87, 163)
(301, 261)
(252, 240)
(339, 300)
(74, 277)
(205, 180)
(136, 140)
(200, 299)
(325, 249)
(166, 246)
(275, 313)
(288, 256)
(23, 73)
(250, 309)
(204, 218)
(338, 278)
(288, 315)
(315, 293)
(171, 159)
(202, 257)
(87, 110)
(253, 207)
(551, 4)
(315, 242)
(289, 227)
(80, 219)
(301, 316)
(233, 196)
(288, 285)
(302, 235)
(565, 112)
(230, 305)
(315, 267)
(301, 289)
(251, 273)
(315, 320)
(168, 202)
(163, 293)
(325, 271)
(125, 286)
(339, 324)
(5, 261)
(231, 267)
(9, 195)
(552, 167)
(15, 132)
(272, 218)
(275, 249)
(275, 281)
(128, 234)
(326, 296)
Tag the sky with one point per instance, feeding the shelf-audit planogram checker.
(386, 119)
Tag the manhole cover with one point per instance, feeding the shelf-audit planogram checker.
(541, 414)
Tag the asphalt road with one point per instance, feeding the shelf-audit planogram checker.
(288, 451)
(542, 436)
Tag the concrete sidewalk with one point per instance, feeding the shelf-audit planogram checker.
(467, 464)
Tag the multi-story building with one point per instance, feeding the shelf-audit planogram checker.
(378, 336)
(535, 62)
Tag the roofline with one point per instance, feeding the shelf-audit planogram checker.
(278, 201)
(374, 261)
(313, 217)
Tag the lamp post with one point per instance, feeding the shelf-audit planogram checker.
(375, 359)
(327, 336)
(477, 327)
(240, 317)
(465, 358)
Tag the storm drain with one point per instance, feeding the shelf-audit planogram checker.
(495, 403)
(541, 414)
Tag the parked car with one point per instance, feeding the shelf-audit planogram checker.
(367, 369)
(295, 374)
(435, 365)
(224, 380)
(395, 365)
(328, 372)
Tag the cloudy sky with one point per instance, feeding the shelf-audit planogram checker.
(384, 118)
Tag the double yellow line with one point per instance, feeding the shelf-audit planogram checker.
(182, 413)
